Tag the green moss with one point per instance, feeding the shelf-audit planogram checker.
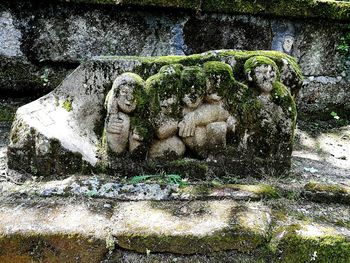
(67, 105)
(327, 192)
(193, 81)
(292, 8)
(164, 85)
(297, 247)
(50, 247)
(257, 61)
(220, 77)
(7, 113)
(262, 190)
(188, 167)
(241, 240)
(331, 188)
(282, 97)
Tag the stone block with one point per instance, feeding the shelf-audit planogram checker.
(232, 112)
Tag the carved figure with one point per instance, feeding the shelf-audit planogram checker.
(205, 121)
(272, 119)
(120, 103)
(163, 88)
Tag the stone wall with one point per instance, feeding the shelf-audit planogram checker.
(41, 42)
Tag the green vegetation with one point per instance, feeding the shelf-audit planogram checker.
(67, 105)
(45, 77)
(322, 245)
(7, 113)
(330, 188)
(344, 45)
(162, 179)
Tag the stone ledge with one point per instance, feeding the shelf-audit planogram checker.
(64, 230)
(333, 10)
(83, 186)
(176, 227)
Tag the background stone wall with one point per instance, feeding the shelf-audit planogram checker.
(41, 42)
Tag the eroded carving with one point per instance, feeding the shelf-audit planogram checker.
(194, 111)
(222, 112)
(120, 103)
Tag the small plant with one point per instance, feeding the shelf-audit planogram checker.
(67, 105)
(335, 115)
(33, 169)
(344, 45)
(110, 243)
(45, 77)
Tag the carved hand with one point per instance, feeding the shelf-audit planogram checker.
(187, 127)
(115, 124)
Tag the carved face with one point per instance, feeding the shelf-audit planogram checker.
(166, 105)
(192, 99)
(126, 99)
(212, 95)
(265, 77)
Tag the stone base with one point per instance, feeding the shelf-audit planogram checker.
(85, 229)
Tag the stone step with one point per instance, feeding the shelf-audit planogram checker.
(101, 230)
(52, 228)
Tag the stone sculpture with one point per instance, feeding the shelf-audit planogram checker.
(205, 121)
(163, 89)
(120, 103)
(222, 112)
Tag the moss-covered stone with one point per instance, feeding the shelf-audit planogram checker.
(216, 80)
(304, 242)
(36, 247)
(232, 226)
(327, 192)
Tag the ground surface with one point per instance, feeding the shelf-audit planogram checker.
(96, 219)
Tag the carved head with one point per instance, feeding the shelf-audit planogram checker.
(193, 84)
(125, 91)
(219, 79)
(163, 89)
(263, 72)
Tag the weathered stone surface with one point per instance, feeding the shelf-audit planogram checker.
(19, 77)
(63, 229)
(62, 131)
(54, 35)
(198, 227)
(325, 94)
(59, 35)
(222, 31)
(10, 36)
